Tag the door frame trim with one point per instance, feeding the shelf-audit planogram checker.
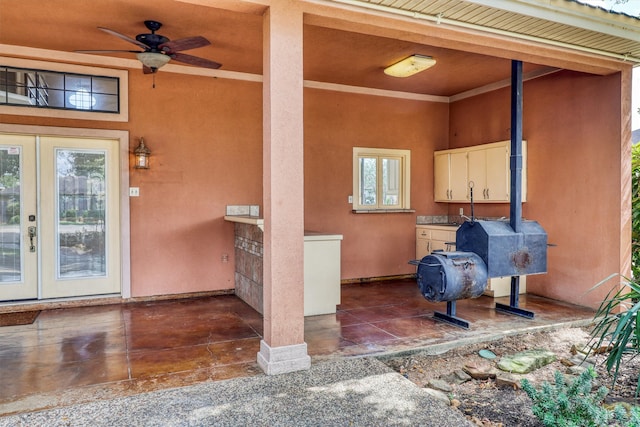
(125, 223)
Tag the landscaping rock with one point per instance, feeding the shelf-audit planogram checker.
(456, 377)
(507, 380)
(461, 376)
(581, 347)
(440, 385)
(438, 395)
(581, 361)
(479, 373)
(526, 361)
(576, 369)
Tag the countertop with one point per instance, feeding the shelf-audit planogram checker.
(447, 226)
(309, 235)
(245, 219)
(318, 235)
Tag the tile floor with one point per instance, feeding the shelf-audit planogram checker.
(82, 354)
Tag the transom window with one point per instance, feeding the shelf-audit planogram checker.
(58, 90)
(381, 179)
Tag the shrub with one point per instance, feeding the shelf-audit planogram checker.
(569, 404)
(616, 324)
(635, 211)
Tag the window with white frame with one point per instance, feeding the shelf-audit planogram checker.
(381, 179)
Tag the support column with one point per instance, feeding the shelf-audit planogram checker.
(283, 348)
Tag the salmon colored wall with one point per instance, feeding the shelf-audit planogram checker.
(374, 244)
(571, 122)
(206, 140)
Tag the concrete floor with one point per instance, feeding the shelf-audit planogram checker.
(86, 354)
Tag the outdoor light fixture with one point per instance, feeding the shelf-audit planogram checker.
(141, 154)
(410, 66)
(153, 60)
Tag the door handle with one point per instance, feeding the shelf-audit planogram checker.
(32, 235)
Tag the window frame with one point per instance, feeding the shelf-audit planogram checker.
(404, 193)
(24, 110)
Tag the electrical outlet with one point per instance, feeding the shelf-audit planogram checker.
(134, 191)
(461, 211)
(350, 199)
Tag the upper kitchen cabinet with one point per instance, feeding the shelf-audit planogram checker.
(487, 166)
(450, 176)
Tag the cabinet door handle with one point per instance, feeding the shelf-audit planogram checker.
(488, 193)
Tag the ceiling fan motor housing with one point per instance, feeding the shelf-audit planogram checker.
(152, 40)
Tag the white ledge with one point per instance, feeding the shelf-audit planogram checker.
(246, 219)
(382, 211)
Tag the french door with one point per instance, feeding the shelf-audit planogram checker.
(59, 217)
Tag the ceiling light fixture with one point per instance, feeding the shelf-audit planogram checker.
(153, 60)
(410, 65)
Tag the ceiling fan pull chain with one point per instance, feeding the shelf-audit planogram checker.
(154, 80)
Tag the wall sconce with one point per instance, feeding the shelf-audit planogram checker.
(141, 154)
(410, 65)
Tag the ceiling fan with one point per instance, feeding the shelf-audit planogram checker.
(157, 49)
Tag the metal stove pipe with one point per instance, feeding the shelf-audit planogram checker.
(516, 147)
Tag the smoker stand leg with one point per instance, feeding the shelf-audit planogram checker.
(513, 308)
(450, 317)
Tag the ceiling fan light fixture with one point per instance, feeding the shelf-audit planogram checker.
(153, 60)
(410, 65)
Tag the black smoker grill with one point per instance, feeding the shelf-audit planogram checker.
(486, 249)
(438, 271)
(505, 252)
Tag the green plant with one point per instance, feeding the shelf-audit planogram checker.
(635, 211)
(616, 327)
(569, 403)
(628, 416)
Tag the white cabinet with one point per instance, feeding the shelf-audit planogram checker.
(430, 238)
(321, 273)
(450, 176)
(487, 166)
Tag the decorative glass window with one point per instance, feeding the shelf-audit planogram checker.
(381, 179)
(59, 90)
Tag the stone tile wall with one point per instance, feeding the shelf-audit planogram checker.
(248, 254)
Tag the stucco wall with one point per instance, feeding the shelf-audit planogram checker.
(374, 244)
(206, 140)
(569, 122)
(206, 137)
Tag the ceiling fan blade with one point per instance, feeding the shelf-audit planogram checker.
(184, 44)
(106, 51)
(194, 60)
(125, 38)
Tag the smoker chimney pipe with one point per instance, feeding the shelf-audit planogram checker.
(516, 147)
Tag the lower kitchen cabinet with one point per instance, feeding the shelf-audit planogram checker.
(430, 238)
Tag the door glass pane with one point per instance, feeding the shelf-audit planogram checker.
(368, 181)
(10, 256)
(390, 182)
(80, 225)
